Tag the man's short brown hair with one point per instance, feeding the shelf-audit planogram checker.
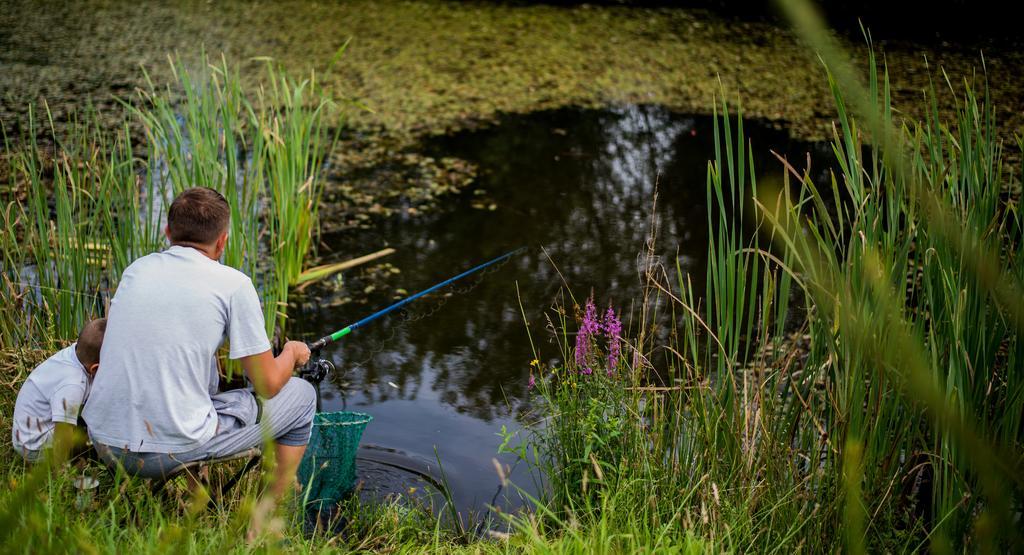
(89, 341)
(198, 215)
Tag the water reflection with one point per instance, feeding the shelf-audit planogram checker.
(578, 183)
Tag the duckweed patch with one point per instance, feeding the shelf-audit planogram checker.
(426, 67)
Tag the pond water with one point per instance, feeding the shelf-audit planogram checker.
(442, 379)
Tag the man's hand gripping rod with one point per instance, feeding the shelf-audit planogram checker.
(317, 368)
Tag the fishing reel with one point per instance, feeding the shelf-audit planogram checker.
(316, 369)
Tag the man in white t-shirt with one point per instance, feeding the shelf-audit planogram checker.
(155, 405)
(46, 412)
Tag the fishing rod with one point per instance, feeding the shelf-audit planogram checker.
(318, 368)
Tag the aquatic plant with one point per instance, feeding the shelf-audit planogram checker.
(850, 376)
(264, 155)
(612, 327)
(78, 210)
(74, 216)
(589, 328)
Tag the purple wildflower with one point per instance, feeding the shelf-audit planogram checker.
(612, 330)
(588, 329)
(531, 383)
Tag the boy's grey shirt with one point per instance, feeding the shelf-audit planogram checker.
(171, 312)
(54, 392)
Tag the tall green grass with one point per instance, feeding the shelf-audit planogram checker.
(849, 379)
(43, 512)
(262, 149)
(75, 214)
(79, 209)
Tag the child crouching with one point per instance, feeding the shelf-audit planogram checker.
(51, 398)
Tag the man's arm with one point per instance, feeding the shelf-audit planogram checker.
(268, 373)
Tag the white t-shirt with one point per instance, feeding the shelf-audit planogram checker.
(171, 312)
(54, 392)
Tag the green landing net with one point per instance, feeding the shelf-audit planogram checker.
(328, 469)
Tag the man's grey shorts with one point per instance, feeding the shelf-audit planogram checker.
(286, 418)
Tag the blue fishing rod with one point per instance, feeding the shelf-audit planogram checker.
(318, 368)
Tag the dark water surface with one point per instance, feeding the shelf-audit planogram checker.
(442, 379)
